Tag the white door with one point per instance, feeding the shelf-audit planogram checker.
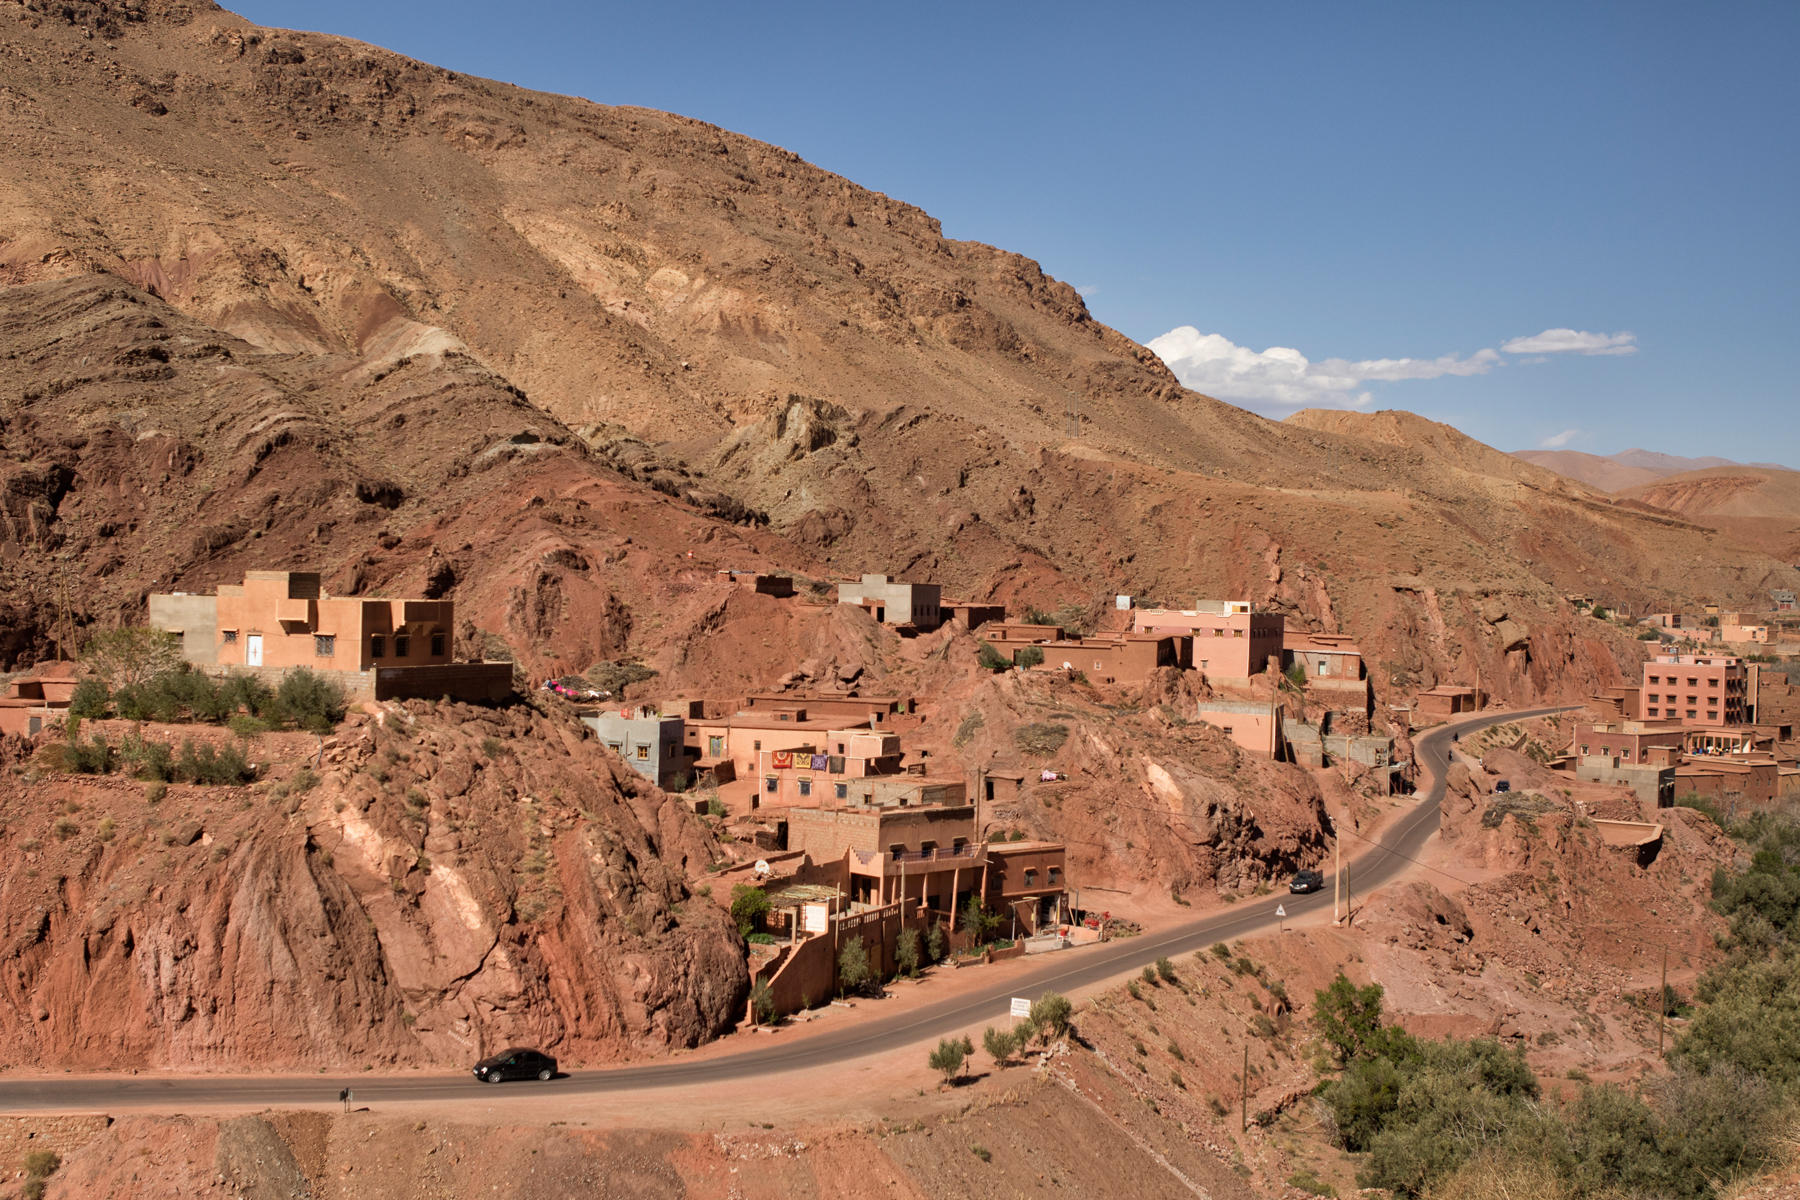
(253, 649)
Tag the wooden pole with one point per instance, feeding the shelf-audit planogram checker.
(1244, 1093)
(1662, 1003)
(1337, 875)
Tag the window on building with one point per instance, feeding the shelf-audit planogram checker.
(324, 645)
(757, 744)
(643, 752)
(1584, 748)
(806, 787)
(437, 645)
(715, 747)
(1323, 665)
(843, 791)
(229, 637)
(1030, 877)
(1691, 714)
(771, 783)
(1650, 712)
(377, 646)
(402, 645)
(1055, 875)
(840, 747)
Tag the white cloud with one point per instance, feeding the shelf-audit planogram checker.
(1282, 377)
(1557, 441)
(1572, 341)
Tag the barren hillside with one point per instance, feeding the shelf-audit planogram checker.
(309, 303)
(1758, 506)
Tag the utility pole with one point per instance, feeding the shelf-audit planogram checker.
(1349, 899)
(1337, 875)
(1662, 1003)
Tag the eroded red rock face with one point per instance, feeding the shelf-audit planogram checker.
(454, 881)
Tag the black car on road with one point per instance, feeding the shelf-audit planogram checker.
(517, 1063)
(1306, 881)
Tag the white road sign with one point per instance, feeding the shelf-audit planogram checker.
(1021, 1007)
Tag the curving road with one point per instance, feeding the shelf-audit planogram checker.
(1065, 972)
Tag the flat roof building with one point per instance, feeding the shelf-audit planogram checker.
(649, 742)
(1696, 689)
(891, 602)
(1232, 642)
(276, 621)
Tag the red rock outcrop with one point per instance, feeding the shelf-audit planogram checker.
(449, 880)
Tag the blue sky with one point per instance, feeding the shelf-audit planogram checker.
(1545, 224)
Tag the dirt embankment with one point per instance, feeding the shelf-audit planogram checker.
(433, 882)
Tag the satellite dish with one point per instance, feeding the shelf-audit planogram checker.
(762, 866)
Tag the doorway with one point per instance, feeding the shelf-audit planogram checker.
(253, 649)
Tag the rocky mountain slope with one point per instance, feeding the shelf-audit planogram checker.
(1756, 506)
(311, 303)
(448, 881)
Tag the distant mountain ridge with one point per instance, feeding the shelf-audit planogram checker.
(1628, 468)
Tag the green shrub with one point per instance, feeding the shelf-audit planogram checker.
(715, 807)
(129, 657)
(245, 725)
(966, 730)
(937, 942)
(90, 699)
(1304, 1180)
(227, 766)
(241, 692)
(990, 659)
(1051, 1014)
(90, 756)
(1029, 656)
(1165, 970)
(147, 759)
(749, 907)
(999, 1044)
(312, 702)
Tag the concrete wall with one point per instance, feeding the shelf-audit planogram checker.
(195, 618)
(809, 973)
(482, 682)
(1653, 786)
(919, 604)
(651, 746)
(1251, 724)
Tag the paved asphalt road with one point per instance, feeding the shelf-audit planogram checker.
(1064, 972)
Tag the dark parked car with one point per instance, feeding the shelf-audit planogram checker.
(516, 1063)
(1306, 881)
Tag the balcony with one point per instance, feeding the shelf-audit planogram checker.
(913, 862)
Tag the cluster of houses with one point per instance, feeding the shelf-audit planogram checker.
(1692, 726)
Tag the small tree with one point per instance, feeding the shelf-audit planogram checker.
(978, 922)
(950, 1055)
(1029, 656)
(762, 1001)
(1296, 674)
(854, 972)
(133, 656)
(937, 942)
(906, 952)
(991, 659)
(1165, 970)
(1349, 1019)
(749, 907)
(1051, 1015)
(1000, 1045)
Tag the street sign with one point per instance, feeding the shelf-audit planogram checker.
(1021, 1007)
(1280, 911)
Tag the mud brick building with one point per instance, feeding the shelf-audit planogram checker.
(276, 621)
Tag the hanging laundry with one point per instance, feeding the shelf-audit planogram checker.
(782, 760)
(818, 762)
